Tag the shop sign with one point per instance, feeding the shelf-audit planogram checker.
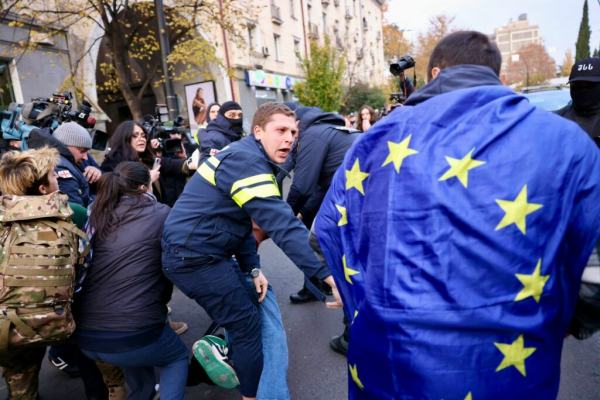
(263, 79)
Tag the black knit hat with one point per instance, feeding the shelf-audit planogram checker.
(228, 106)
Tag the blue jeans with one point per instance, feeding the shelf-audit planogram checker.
(168, 353)
(273, 380)
(215, 285)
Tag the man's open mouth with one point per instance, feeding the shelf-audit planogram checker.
(283, 152)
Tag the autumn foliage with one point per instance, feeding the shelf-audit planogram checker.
(534, 59)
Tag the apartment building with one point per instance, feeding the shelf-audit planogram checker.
(511, 37)
(267, 69)
(38, 72)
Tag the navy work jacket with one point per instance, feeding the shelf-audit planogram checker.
(212, 218)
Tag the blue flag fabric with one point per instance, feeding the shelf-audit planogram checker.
(457, 231)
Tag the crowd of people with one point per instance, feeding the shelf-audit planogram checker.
(454, 235)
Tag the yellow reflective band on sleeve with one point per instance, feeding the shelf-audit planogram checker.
(214, 161)
(247, 194)
(253, 180)
(207, 172)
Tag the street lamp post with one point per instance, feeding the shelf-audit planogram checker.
(515, 58)
(165, 51)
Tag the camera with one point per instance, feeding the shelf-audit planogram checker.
(160, 128)
(405, 62)
(20, 120)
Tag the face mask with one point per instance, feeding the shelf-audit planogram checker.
(236, 125)
(586, 98)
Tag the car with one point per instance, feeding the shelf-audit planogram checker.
(550, 98)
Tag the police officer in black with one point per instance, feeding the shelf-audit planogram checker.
(585, 93)
(223, 130)
(322, 144)
(212, 221)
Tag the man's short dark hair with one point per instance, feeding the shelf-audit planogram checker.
(465, 47)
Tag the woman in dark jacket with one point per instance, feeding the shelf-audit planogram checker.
(211, 114)
(130, 142)
(121, 311)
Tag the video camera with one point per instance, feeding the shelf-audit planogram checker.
(19, 120)
(161, 128)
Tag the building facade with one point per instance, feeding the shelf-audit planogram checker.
(511, 37)
(280, 31)
(264, 69)
(37, 72)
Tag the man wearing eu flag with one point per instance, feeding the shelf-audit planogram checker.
(457, 230)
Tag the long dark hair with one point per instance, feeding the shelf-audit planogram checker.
(125, 180)
(120, 145)
(359, 118)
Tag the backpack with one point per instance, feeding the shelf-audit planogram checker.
(39, 250)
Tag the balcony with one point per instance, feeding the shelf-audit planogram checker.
(276, 14)
(325, 3)
(256, 59)
(349, 13)
(313, 31)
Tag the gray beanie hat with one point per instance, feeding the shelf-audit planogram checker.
(73, 134)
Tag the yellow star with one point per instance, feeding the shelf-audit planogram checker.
(517, 210)
(344, 219)
(460, 168)
(347, 271)
(514, 355)
(355, 177)
(533, 284)
(469, 396)
(355, 315)
(398, 152)
(354, 374)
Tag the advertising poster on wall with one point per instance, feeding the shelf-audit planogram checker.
(198, 96)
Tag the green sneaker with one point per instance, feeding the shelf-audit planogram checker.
(211, 353)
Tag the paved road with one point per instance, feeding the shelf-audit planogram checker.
(315, 371)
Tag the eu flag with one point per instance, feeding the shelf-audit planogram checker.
(457, 231)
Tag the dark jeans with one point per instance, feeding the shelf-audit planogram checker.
(215, 286)
(168, 353)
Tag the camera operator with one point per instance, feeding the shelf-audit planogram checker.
(173, 186)
(405, 85)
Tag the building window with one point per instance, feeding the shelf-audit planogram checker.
(7, 94)
(522, 35)
(265, 96)
(292, 8)
(503, 38)
(324, 23)
(253, 42)
(277, 47)
(296, 46)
